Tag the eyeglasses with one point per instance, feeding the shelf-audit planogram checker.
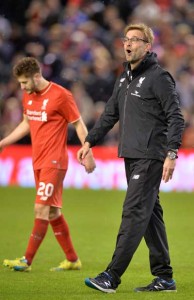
(134, 39)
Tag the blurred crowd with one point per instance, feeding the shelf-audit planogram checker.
(78, 43)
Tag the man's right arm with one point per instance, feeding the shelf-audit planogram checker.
(19, 132)
(107, 120)
(105, 123)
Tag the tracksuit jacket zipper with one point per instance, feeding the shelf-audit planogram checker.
(124, 111)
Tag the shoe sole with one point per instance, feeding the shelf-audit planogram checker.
(21, 269)
(164, 291)
(17, 269)
(97, 287)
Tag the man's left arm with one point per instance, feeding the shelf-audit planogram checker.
(169, 99)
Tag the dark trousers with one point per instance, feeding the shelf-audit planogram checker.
(142, 216)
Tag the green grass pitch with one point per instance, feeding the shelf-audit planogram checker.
(94, 218)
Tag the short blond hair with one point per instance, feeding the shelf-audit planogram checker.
(147, 31)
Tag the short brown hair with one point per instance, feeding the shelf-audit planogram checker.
(147, 31)
(27, 66)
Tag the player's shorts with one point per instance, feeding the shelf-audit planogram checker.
(49, 186)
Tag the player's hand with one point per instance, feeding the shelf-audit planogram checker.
(82, 152)
(168, 169)
(89, 162)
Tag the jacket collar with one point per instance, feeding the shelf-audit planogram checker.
(149, 60)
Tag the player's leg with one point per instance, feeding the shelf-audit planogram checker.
(42, 209)
(62, 234)
(38, 233)
(51, 194)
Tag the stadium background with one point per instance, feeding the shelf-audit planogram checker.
(78, 44)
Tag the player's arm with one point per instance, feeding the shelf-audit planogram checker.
(19, 132)
(82, 132)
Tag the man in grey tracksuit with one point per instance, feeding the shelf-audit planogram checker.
(146, 104)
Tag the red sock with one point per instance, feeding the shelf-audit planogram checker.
(36, 238)
(62, 234)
